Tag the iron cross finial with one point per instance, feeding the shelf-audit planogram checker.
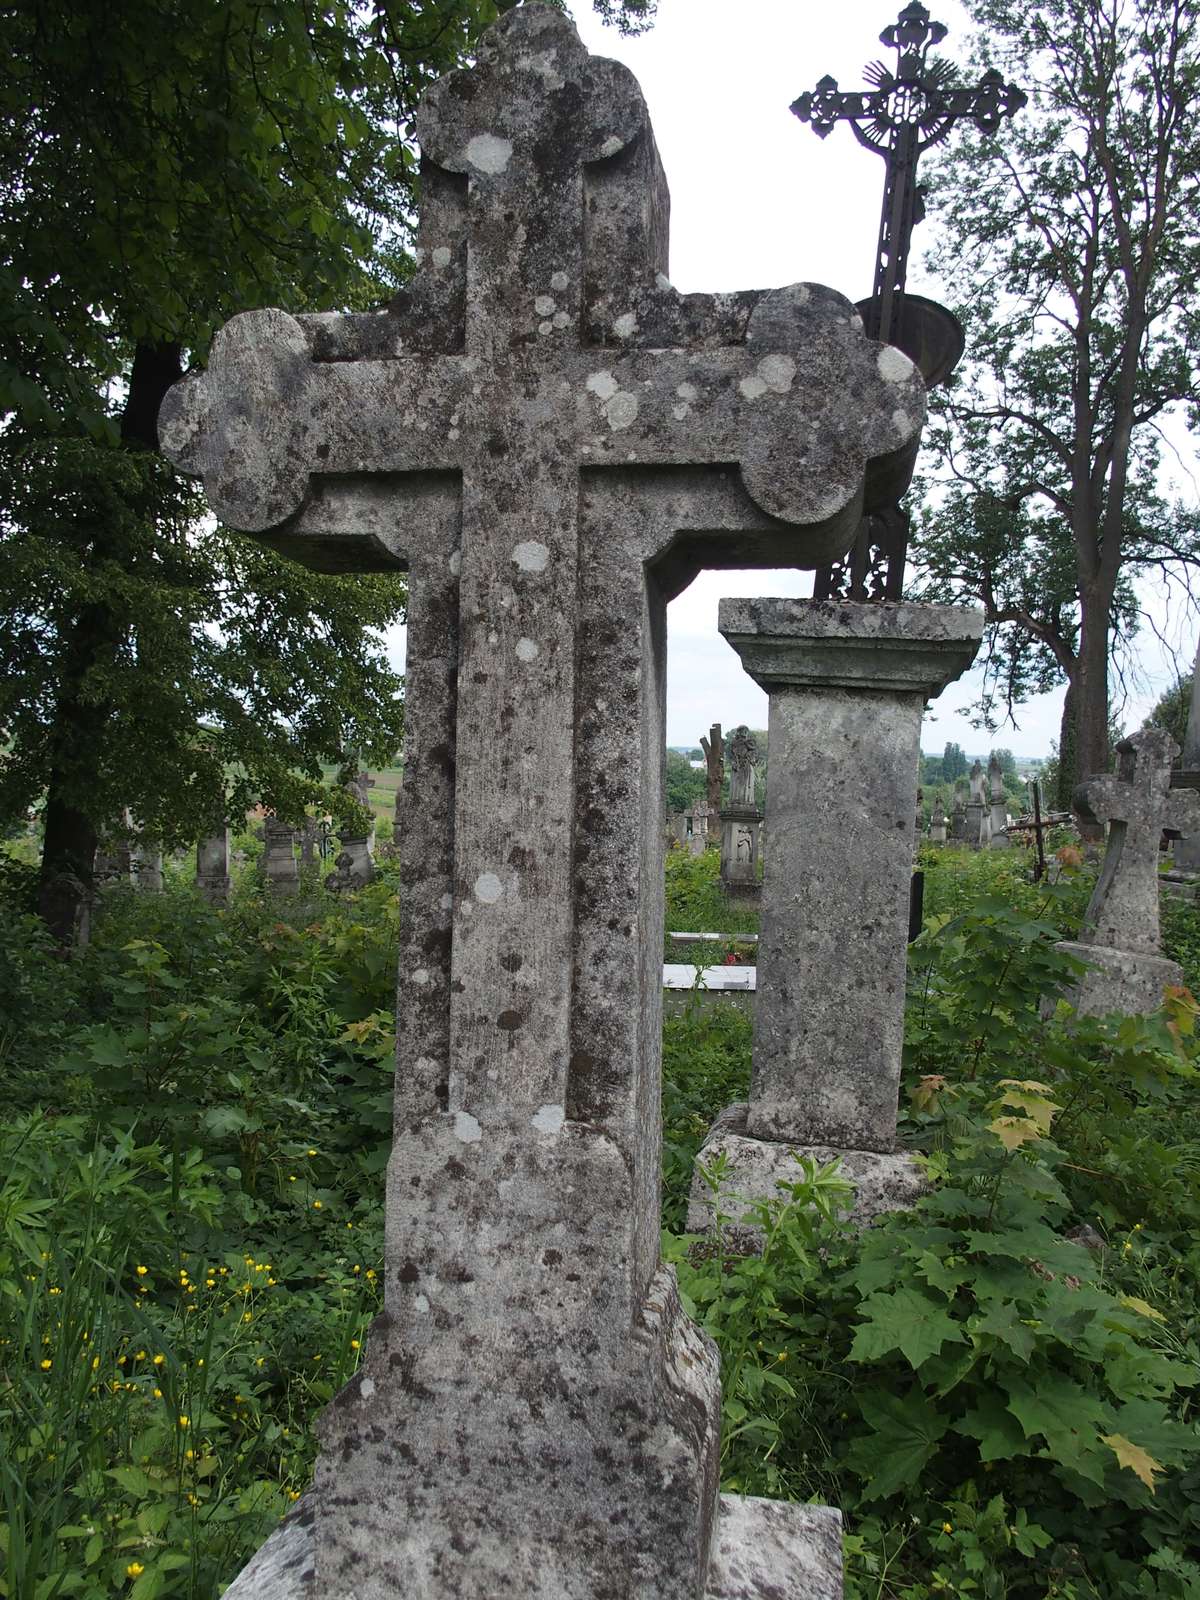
(909, 107)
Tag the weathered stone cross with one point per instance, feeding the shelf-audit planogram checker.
(1137, 804)
(552, 441)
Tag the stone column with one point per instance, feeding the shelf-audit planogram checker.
(212, 867)
(848, 684)
(148, 868)
(958, 816)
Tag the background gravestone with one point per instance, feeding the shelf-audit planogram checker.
(553, 442)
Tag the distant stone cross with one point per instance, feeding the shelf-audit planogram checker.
(552, 441)
(1137, 804)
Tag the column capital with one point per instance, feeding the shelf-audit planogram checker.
(890, 647)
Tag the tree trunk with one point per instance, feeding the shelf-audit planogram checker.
(80, 723)
(1091, 752)
(1065, 784)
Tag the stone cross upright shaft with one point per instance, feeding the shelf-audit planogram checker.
(552, 441)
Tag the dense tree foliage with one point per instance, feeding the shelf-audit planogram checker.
(1070, 251)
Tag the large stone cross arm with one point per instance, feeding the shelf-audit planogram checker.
(806, 407)
(1139, 793)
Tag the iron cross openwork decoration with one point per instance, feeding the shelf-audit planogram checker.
(906, 110)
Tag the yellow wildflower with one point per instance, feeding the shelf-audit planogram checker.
(46, 1365)
(134, 1569)
(141, 1271)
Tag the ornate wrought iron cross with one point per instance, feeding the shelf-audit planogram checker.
(905, 111)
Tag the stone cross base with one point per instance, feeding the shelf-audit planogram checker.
(1182, 885)
(760, 1549)
(1120, 980)
(882, 1182)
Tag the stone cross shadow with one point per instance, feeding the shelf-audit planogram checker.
(552, 441)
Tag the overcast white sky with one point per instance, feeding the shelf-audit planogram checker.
(757, 201)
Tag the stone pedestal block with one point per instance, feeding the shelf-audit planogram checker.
(756, 1168)
(740, 832)
(1120, 980)
(847, 684)
(212, 867)
(281, 871)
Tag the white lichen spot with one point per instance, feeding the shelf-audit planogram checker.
(466, 1128)
(421, 975)
(488, 152)
(446, 902)
(611, 145)
(545, 327)
(621, 411)
(453, 434)
(679, 412)
(688, 392)
(545, 305)
(421, 1304)
(902, 423)
(531, 555)
(625, 326)
(894, 366)
(559, 281)
(488, 888)
(602, 384)
(455, 563)
(777, 372)
(527, 650)
(661, 281)
(366, 1387)
(441, 256)
(548, 1119)
(752, 386)
(493, 637)
(561, 319)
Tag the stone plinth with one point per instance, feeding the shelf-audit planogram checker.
(761, 1550)
(740, 833)
(847, 684)
(280, 870)
(212, 867)
(552, 442)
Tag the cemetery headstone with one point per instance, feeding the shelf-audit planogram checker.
(212, 867)
(1119, 937)
(975, 821)
(937, 822)
(998, 815)
(553, 442)
(741, 820)
(958, 814)
(280, 871)
(847, 683)
(113, 865)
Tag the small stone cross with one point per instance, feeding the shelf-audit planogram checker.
(1137, 803)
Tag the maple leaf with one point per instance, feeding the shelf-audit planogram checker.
(906, 1321)
(1015, 1131)
(1134, 1457)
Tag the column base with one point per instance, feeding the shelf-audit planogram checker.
(761, 1549)
(1120, 980)
(882, 1182)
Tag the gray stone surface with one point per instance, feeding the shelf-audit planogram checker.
(937, 823)
(761, 1550)
(714, 763)
(280, 870)
(975, 819)
(828, 1022)
(998, 807)
(756, 1168)
(741, 820)
(212, 867)
(1119, 935)
(553, 442)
